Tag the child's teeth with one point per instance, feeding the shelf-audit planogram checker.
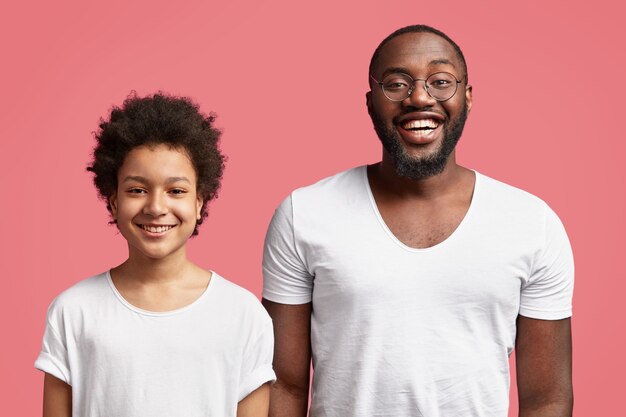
(157, 229)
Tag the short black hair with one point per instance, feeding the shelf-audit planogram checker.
(154, 120)
(419, 29)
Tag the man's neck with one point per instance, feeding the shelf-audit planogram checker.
(386, 180)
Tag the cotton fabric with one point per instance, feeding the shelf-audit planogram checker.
(200, 360)
(398, 331)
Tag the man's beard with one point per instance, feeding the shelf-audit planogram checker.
(418, 168)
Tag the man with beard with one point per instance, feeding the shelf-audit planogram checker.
(410, 282)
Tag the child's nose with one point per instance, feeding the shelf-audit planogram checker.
(155, 206)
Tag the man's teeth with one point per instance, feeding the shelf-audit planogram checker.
(420, 124)
(156, 229)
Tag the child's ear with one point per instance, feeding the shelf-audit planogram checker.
(199, 202)
(113, 205)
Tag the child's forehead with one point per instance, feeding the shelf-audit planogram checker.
(157, 160)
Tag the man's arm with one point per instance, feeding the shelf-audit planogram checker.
(543, 354)
(292, 358)
(57, 397)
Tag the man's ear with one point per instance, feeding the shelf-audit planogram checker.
(468, 98)
(113, 205)
(368, 101)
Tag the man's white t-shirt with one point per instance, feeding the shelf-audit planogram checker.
(121, 361)
(398, 331)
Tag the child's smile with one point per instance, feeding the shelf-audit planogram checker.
(156, 230)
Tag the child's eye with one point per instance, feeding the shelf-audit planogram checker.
(178, 191)
(136, 191)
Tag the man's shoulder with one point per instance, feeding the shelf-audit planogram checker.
(337, 182)
(334, 196)
(331, 190)
(502, 194)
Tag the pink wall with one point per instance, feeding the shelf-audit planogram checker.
(548, 93)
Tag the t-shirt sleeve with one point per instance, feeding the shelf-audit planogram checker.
(53, 358)
(547, 294)
(256, 367)
(286, 279)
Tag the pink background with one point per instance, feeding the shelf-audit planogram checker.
(287, 80)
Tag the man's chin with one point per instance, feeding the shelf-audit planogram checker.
(416, 164)
(419, 168)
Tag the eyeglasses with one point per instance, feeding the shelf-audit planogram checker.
(441, 86)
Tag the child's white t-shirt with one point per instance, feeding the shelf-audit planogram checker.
(200, 360)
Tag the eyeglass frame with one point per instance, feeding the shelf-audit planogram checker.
(413, 86)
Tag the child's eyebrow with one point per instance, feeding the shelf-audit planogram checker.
(145, 181)
(178, 179)
(136, 178)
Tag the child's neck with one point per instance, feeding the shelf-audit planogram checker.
(160, 284)
(144, 270)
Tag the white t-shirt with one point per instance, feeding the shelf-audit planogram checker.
(398, 331)
(200, 360)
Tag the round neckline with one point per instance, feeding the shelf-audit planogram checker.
(466, 218)
(138, 310)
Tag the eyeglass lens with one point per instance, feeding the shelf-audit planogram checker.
(440, 86)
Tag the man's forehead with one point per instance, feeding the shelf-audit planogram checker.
(420, 48)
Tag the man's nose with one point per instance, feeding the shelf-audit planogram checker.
(155, 205)
(419, 96)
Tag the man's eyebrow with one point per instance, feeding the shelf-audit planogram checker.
(145, 181)
(438, 61)
(441, 61)
(395, 70)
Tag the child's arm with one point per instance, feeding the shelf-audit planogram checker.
(256, 404)
(57, 398)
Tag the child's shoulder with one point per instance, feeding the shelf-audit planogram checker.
(230, 289)
(234, 297)
(83, 293)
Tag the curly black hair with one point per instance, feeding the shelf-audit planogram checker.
(153, 120)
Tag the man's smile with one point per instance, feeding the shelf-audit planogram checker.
(419, 127)
(425, 124)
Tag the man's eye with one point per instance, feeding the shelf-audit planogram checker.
(396, 85)
(440, 83)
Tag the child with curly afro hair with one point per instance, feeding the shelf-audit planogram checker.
(157, 335)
